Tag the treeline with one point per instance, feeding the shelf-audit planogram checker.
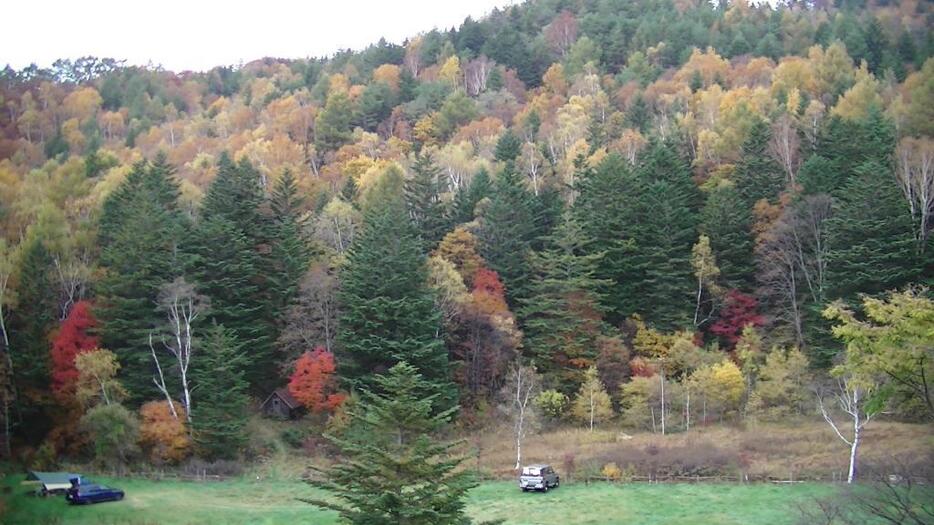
(627, 203)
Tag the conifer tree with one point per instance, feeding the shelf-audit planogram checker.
(34, 318)
(423, 200)
(507, 232)
(220, 410)
(847, 145)
(662, 238)
(562, 316)
(871, 237)
(728, 224)
(608, 220)
(507, 147)
(387, 308)
(757, 174)
(467, 197)
(291, 253)
(228, 266)
(665, 293)
(396, 473)
(140, 234)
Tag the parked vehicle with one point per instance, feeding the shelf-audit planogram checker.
(538, 477)
(81, 493)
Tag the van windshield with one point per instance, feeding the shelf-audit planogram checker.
(531, 471)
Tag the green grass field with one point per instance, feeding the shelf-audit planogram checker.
(275, 502)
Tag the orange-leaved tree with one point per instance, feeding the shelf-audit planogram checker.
(314, 383)
(162, 434)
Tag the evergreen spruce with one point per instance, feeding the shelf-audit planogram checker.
(230, 269)
(562, 316)
(757, 174)
(395, 473)
(468, 196)
(662, 262)
(848, 144)
(219, 415)
(34, 317)
(507, 147)
(607, 219)
(423, 200)
(140, 236)
(388, 310)
(872, 245)
(728, 224)
(291, 253)
(507, 232)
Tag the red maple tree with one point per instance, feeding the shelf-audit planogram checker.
(740, 311)
(314, 383)
(73, 338)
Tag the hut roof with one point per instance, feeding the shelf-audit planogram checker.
(286, 397)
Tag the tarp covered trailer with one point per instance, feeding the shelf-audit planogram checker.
(51, 482)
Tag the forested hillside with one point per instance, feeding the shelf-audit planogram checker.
(643, 207)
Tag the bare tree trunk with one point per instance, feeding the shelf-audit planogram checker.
(525, 384)
(661, 376)
(688, 413)
(160, 384)
(850, 399)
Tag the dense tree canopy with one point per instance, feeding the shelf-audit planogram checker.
(635, 193)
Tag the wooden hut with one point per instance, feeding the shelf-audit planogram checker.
(281, 404)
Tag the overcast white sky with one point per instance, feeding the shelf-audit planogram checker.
(200, 34)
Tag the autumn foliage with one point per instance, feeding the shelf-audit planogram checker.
(162, 434)
(314, 384)
(489, 293)
(741, 310)
(72, 339)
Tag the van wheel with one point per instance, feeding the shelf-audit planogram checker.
(545, 484)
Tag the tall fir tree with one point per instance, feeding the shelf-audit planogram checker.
(662, 162)
(872, 247)
(387, 309)
(508, 147)
(608, 220)
(562, 316)
(219, 413)
(33, 319)
(230, 265)
(847, 145)
(468, 196)
(290, 252)
(757, 174)
(507, 232)
(728, 223)
(141, 232)
(423, 201)
(394, 471)
(664, 293)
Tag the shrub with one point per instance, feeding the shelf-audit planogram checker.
(611, 472)
(552, 403)
(294, 436)
(114, 433)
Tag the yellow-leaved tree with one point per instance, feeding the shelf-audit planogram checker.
(592, 404)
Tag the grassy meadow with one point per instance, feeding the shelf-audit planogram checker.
(247, 501)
